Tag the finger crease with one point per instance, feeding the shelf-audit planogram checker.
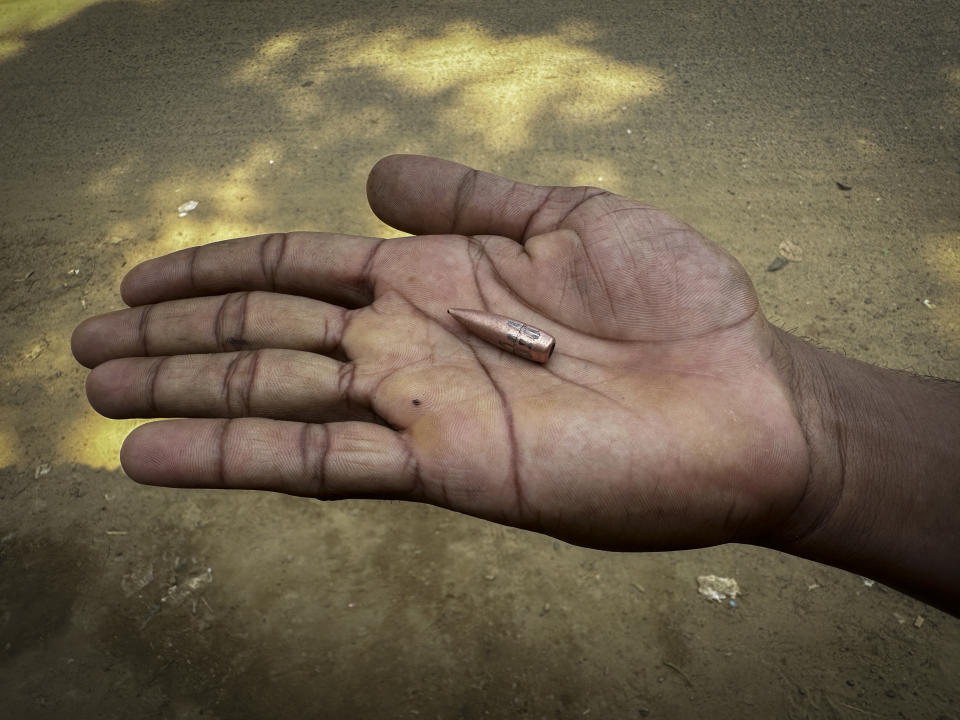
(272, 251)
(223, 337)
(505, 286)
(242, 321)
(324, 334)
(251, 376)
(228, 382)
(237, 393)
(514, 449)
(345, 377)
(314, 462)
(152, 385)
(142, 326)
(522, 511)
(344, 319)
(588, 195)
(218, 330)
(464, 193)
(532, 216)
(367, 270)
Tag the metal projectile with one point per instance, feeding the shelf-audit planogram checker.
(513, 336)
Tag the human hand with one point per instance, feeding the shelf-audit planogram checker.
(327, 366)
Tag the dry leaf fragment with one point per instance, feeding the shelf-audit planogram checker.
(791, 251)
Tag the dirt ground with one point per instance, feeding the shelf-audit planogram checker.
(741, 118)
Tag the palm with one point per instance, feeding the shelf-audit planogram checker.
(643, 431)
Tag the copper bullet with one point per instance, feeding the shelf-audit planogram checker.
(513, 336)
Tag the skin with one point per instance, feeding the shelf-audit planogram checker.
(672, 414)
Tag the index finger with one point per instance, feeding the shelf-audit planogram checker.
(325, 266)
(424, 195)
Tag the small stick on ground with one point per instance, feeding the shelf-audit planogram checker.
(862, 710)
(680, 672)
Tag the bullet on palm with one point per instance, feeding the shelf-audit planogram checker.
(513, 336)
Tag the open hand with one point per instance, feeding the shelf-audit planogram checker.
(326, 365)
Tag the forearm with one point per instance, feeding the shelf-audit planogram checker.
(883, 497)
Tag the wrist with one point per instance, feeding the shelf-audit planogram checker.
(807, 372)
(884, 472)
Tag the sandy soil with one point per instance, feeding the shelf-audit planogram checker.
(123, 601)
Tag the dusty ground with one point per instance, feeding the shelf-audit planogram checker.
(123, 601)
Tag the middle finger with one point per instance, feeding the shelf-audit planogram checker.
(283, 384)
(238, 321)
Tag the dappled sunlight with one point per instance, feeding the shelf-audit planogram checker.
(229, 204)
(20, 18)
(93, 440)
(232, 202)
(498, 89)
(35, 363)
(598, 172)
(488, 93)
(77, 434)
(270, 57)
(36, 354)
(480, 88)
(110, 180)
